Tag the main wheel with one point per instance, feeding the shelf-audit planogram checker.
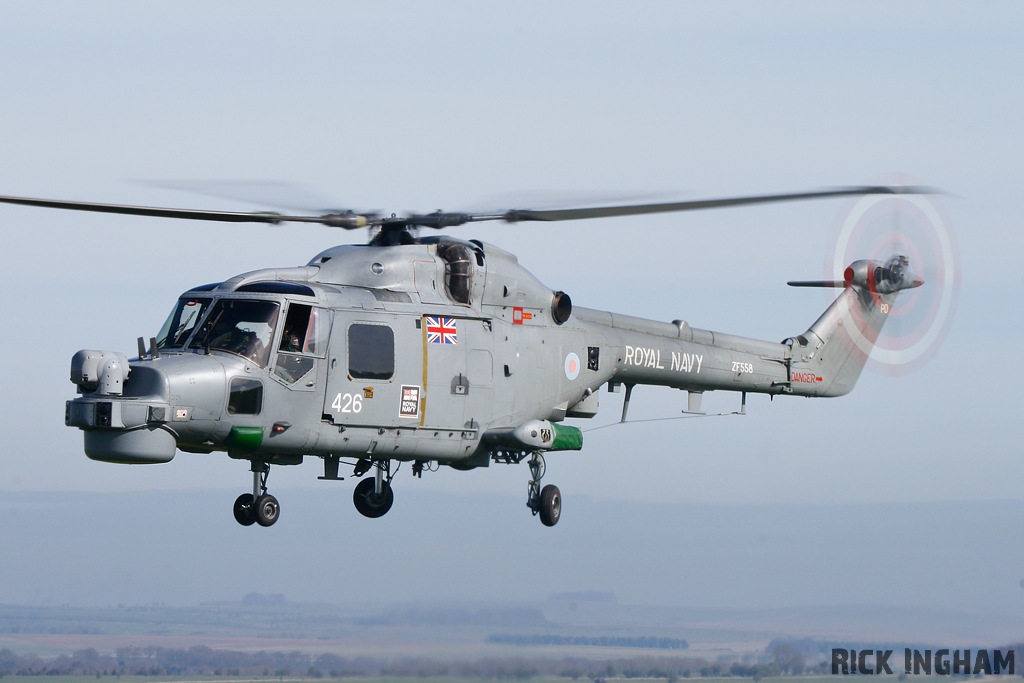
(267, 510)
(368, 503)
(245, 513)
(550, 505)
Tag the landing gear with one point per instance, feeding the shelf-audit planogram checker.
(374, 497)
(268, 510)
(258, 507)
(245, 512)
(550, 505)
(547, 502)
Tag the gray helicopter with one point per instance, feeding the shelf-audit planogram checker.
(429, 350)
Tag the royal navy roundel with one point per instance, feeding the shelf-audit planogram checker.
(572, 366)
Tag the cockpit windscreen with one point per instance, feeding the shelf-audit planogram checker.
(179, 325)
(240, 326)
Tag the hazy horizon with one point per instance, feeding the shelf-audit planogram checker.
(143, 547)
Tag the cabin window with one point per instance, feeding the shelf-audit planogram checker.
(241, 326)
(371, 351)
(183, 319)
(458, 270)
(246, 396)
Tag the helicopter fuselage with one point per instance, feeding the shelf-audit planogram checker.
(432, 351)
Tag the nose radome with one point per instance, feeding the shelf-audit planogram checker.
(150, 444)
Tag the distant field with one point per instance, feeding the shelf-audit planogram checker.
(432, 679)
(272, 679)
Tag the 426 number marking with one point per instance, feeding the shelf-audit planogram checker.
(348, 403)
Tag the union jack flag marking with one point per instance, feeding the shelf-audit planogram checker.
(441, 331)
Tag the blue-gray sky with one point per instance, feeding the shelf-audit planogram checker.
(451, 105)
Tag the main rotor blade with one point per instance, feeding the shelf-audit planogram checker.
(517, 215)
(340, 221)
(439, 219)
(271, 193)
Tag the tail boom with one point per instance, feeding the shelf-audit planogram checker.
(824, 361)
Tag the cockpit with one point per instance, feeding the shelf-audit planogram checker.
(244, 327)
(247, 327)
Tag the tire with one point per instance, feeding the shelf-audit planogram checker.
(550, 505)
(245, 512)
(368, 503)
(267, 510)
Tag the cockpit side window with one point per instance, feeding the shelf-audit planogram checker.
(458, 270)
(241, 326)
(306, 330)
(183, 319)
(306, 333)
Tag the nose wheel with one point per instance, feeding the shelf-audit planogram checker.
(245, 509)
(547, 502)
(258, 507)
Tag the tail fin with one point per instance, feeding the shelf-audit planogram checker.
(829, 357)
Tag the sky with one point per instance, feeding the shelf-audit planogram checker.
(415, 106)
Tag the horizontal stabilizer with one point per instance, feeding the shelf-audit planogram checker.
(838, 284)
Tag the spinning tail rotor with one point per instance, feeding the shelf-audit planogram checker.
(905, 241)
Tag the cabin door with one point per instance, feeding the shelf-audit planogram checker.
(374, 376)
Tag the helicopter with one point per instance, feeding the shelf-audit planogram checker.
(430, 350)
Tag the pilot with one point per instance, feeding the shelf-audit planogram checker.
(244, 342)
(290, 341)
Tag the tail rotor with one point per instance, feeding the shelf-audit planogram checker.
(911, 240)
